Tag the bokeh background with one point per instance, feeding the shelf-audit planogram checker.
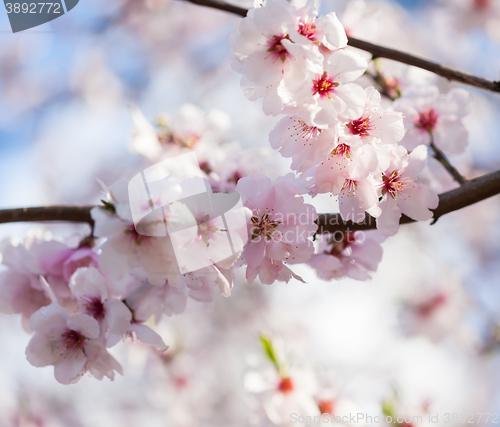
(422, 335)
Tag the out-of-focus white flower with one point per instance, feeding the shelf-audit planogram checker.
(355, 255)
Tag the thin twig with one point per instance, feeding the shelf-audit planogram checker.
(383, 86)
(441, 158)
(384, 52)
(387, 89)
(470, 192)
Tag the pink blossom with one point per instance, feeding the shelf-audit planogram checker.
(280, 228)
(330, 92)
(294, 138)
(350, 254)
(433, 117)
(89, 287)
(269, 45)
(70, 344)
(65, 262)
(343, 163)
(401, 194)
(125, 250)
(20, 288)
(374, 123)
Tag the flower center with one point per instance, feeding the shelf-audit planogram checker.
(285, 385)
(324, 86)
(276, 48)
(205, 229)
(427, 120)
(136, 237)
(263, 226)
(73, 340)
(95, 308)
(301, 130)
(340, 246)
(326, 406)
(481, 5)
(360, 126)
(308, 29)
(427, 308)
(394, 184)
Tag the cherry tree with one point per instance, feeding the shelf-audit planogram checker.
(351, 124)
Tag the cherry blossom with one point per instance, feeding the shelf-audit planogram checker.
(402, 194)
(331, 93)
(374, 123)
(438, 118)
(277, 40)
(303, 143)
(20, 288)
(125, 250)
(351, 254)
(89, 287)
(280, 228)
(70, 344)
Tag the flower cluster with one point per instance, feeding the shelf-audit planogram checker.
(337, 134)
(342, 139)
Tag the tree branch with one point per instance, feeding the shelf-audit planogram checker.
(441, 158)
(383, 52)
(48, 213)
(470, 192)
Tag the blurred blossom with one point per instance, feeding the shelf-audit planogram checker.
(407, 326)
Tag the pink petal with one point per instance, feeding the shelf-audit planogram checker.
(148, 336)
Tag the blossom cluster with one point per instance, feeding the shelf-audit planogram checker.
(342, 139)
(336, 133)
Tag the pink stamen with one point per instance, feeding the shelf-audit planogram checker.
(427, 120)
(324, 86)
(308, 29)
(395, 185)
(301, 130)
(73, 340)
(361, 126)
(277, 49)
(95, 308)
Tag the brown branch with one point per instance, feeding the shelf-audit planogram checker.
(448, 73)
(220, 5)
(48, 213)
(383, 52)
(441, 158)
(470, 192)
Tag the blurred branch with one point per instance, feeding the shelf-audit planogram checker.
(470, 192)
(215, 4)
(383, 52)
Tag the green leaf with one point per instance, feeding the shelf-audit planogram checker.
(270, 352)
(108, 207)
(388, 408)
